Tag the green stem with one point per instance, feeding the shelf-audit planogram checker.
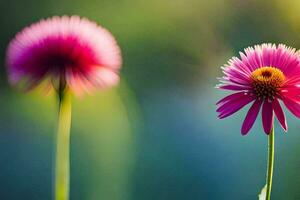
(270, 164)
(62, 165)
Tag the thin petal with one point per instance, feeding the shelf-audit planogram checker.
(229, 108)
(233, 87)
(232, 102)
(237, 63)
(231, 97)
(267, 116)
(251, 117)
(235, 72)
(279, 114)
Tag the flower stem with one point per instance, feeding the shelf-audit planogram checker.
(270, 164)
(62, 165)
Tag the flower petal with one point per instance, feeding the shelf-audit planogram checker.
(251, 117)
(231, 97)
(233, 87)
(51, 48)
(235, 72)
(292, 105)
(290, 91)
(279, 114)
(230, 102)
(267, 116)
(231, 107)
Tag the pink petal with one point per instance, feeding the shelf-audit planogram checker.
(235, 72)
(245, 60)
(233, 106)
(102, 77)
(292, 105)
(251, 117)
(51, 48)
(233, 87)
(238, 63)
(293, 80)
(266, 54)
(279, 114)
(290, 90)
(231, 97)
(236, 80)
(267, 116)
(253, 56)
(227, 105)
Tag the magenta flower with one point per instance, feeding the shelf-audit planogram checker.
(264, 75)
(70, 54)
(74, 50)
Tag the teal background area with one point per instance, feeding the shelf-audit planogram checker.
(156, 135)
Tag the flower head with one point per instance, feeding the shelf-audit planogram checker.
(264, 75)
(69, 50)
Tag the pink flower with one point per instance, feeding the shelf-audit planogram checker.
(264, 75)
(74, 50)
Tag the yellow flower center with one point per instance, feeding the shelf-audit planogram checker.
(266, 81)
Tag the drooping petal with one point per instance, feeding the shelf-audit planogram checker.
(267, 116)
(231, 102)
(251, 117)
(292, 105)
(231, 107)
(231, 97)
(279, 114)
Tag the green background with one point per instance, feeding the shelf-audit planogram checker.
(156, 135)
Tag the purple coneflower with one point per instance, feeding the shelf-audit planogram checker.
(264, 75)
(70, 54)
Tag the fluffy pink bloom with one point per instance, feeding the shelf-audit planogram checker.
(264, 75)
(81, 53)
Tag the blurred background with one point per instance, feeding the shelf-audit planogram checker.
(156, 135)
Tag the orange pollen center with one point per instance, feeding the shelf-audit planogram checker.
(266, 82)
